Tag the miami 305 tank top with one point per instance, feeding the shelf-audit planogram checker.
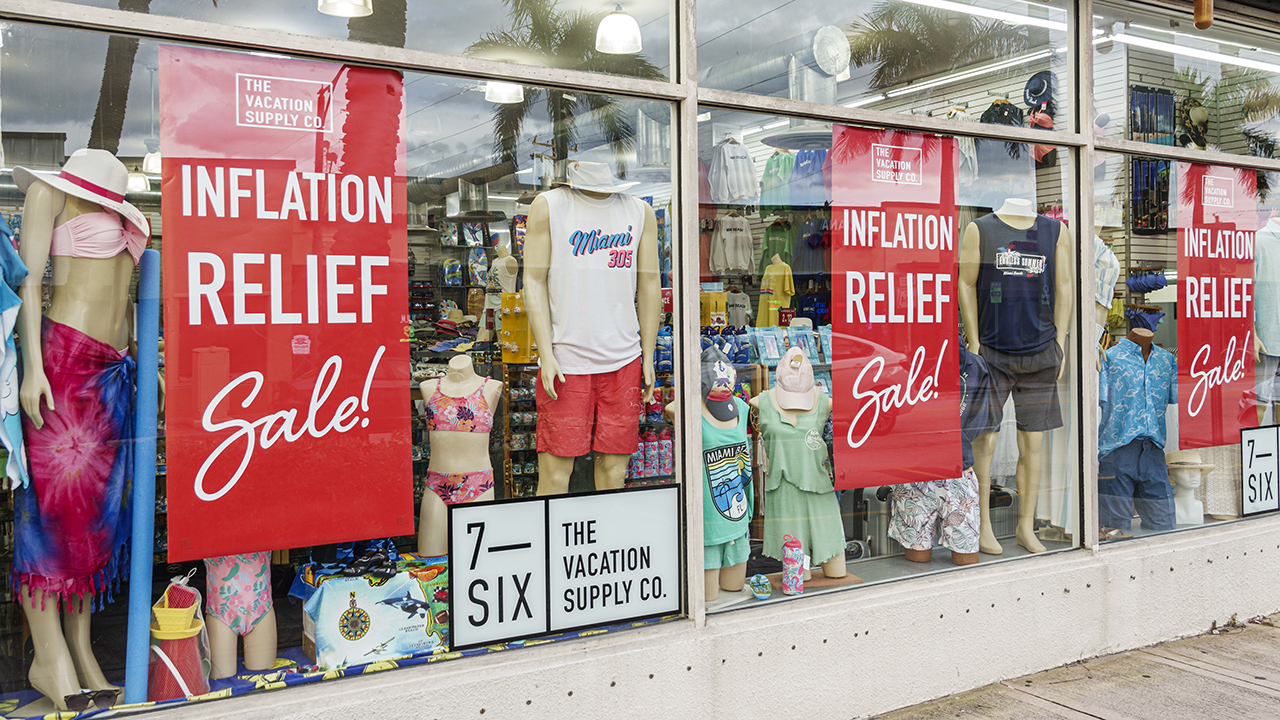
(592, 280)
(1016, 284)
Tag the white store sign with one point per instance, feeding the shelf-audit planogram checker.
(534, 566)
(1259, 467)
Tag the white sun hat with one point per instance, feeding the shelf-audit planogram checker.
(93, 175)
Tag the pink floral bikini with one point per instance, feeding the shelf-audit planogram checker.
(470, 413)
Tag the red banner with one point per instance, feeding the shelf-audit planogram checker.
(286, 289)
(894, 257)
(1217, 217)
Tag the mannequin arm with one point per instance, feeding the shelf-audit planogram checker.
(648, 297)
(1064, 289)
(537, 262)
(970, 260)
(39, 213)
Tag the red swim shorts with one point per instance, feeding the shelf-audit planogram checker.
(607, 403)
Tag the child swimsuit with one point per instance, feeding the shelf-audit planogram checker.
(239, 589)
(470, 413)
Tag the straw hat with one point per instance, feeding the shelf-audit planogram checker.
(1187, 460)
(93, 175)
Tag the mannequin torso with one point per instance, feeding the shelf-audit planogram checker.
(455, 451)
(506, 266)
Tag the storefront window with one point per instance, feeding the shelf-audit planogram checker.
(888, 369)
(374, 283)
(1157, 79)
(631, 38)
(1185, 314)
(1004, 61)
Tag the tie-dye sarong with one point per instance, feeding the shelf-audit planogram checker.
(72, 524)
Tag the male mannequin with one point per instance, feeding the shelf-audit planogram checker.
(1138, 384)
(1187, 472)
(89, 307)
(459, 457)
(1029, 319)
(588, 246)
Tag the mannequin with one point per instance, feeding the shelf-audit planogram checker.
(726, 507)
(1032, 333)
(1139, 382)
(459, 455)
(588, 245)
(1187, 472)
(501, 279)
(238, 603)
(803, 503)
(59, 564)
(777, 287)
(1266, 326)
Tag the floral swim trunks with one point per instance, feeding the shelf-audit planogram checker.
(947, 507)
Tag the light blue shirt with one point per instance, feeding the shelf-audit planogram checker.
(1134, 395)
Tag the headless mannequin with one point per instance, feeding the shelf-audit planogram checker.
(259, 646)
(610, 470)
(453, 451)
(833, 567)
(1144, 339)
(1018, 214)
(506, 266)
(734, 577)
(1188, 509)
(92, 296)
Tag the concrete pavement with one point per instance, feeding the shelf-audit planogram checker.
(1231, 673)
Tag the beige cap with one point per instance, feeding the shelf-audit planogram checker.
(794, 384)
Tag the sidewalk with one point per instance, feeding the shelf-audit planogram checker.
(1233, 672)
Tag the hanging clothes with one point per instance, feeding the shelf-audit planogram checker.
(806, 179)
(732, 251)
(775, 190)
(14, 272)
(808, 261)
(780, 240)
(733, 174)
(776, 290)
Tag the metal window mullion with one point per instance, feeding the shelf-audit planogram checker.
(785, 107)
(686, 303)
(1172, 152)
(160, 27)
(1087, 383)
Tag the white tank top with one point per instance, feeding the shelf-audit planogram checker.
(592, 280)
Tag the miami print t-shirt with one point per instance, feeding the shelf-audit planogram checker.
(726, 489)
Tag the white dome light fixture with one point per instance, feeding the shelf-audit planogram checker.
(503, 93)
(618, 34)
(151, 163)
(346, 8)
(137, 183)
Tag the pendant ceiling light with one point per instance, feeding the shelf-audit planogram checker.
(618, 34)
(503, 93)
(137, 183)
(346, 8)
(151, 163)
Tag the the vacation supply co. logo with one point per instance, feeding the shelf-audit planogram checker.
(1013, 262)
(283, 103)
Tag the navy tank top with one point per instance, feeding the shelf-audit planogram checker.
(1016, 284)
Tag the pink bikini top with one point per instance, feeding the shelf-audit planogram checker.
(97, 235)
(462, 414)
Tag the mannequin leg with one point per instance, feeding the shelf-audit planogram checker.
(223, 643)
(1029, 464)
(553, 474)
(433, 525)
(984, 448)
(260, 643)
(75, 628)
(53, 673)
(734, 577)
(834, 568)
(611, 471)
(711, 584)
(918, 556)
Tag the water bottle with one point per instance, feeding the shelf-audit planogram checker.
(792, 566)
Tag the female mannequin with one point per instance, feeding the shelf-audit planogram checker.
(460, 409)
(238, 603)
(501, 279)
(800, 499)
(77, 378)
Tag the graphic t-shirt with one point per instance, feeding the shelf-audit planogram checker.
(738, 306)
(727, 500)
(776, 290)
(1016, 285)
